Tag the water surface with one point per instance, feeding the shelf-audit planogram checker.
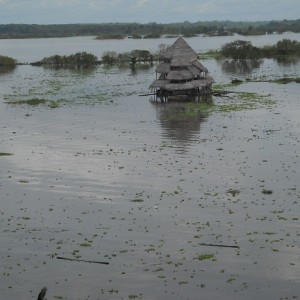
(106, 175)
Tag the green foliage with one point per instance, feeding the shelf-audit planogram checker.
(240, 49)
(6, 61)
(286, 80)
(5, 154)
(150, 30)
(152, 36)
(112, 36)
(205, 256)
(118, 30)
(109, 57)
(133, 57)
(78, 60)
(244, 49)
(136, 36)
(287, 47)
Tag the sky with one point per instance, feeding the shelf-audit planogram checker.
(144, 11)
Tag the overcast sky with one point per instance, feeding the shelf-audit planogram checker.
(144, 11)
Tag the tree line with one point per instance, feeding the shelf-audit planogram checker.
(151, 30)
(240, 49)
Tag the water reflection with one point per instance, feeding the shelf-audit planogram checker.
(73, 69)
(6, 69)
(241, 66)
(180, 122)
(287, 61)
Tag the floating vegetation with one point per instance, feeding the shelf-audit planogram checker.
(238, 101)
(233, 192)
(35, 102)
(205, 256)
(267, 192)
(23, 181)
(85, 244)
(5, 154)
(6, 61)
(286, 80)
(212, 54)
(77, 60)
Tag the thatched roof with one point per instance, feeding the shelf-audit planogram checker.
(178, 75)
(163, 68)
(165, 84)
(180, 51)
(188, 85)
(181, 64)
(197, 64)
(179, 86)
(159, 83)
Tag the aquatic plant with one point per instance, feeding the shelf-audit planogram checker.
(6, 61)
(244, 49)
(205, 256)
(5, 154)
(77, 60)
(35, 102)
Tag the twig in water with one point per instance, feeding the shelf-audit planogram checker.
(83, 260)
(42, 293)
(221, 246)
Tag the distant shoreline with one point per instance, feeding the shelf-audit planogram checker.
(153, 30)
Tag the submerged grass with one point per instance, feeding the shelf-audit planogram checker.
(286, 80)
(205, 256)
(5, 154)
(212, 54)
(238, 101)
(36, 102)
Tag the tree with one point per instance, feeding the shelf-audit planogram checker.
(240, 49)
(109, 57)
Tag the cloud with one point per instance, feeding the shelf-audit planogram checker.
(206, 7)
(141, 3)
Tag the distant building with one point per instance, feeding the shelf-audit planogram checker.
(181, 75)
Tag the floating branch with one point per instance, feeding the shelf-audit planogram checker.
(82, 260)
(221, 246)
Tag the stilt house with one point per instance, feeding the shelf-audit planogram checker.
(180, 74)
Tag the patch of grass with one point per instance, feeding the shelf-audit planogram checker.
(23, 181)
(212, 54)
(7, 61)
(286, 80)
(35, 102)
(205, 256)
(5, 154)
(233, 192)
(267, 192)
(137, 200)
(133, 296)
(239, 101)
(85, 245)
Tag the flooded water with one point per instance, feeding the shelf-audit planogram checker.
(181, 205)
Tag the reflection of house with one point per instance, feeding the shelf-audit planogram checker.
(181, 74)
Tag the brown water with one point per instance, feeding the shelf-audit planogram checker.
(109, 176)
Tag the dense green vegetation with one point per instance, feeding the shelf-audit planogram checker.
(78, 60)
(132, 57)
(244, 49)
(150, 30)
(112, 36)
(237, 50)
(6, 61)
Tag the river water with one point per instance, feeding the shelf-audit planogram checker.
(98, 173)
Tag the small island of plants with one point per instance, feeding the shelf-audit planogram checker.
(77, 60)
(244, 49)
(6, 61)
